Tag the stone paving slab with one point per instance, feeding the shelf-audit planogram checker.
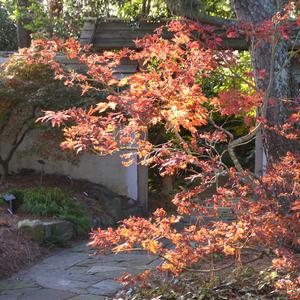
(105, 269)
(88, 297)
(106, 287)
(8, 297)
(74, 274)
(12, 284)
(46, 294)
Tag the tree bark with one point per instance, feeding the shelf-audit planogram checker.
(23, 35)
(5, 170)
(266, 56)
(167, 184)
(193, 9)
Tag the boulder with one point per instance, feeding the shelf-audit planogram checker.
(34, 229)
(60, 229)
(50, 230)
(114, 208)
(103, 221)
(226, 214)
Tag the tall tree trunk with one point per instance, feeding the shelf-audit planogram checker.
(267, 57)
(186, 8)
(167, 184)
(23, 35)
(24, 39)
(5, 169)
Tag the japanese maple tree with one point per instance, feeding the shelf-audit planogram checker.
(168, 90)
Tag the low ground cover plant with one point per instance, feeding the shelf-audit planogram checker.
(53, 203)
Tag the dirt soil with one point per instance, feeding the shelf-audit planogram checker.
(30, 181)
(16, 251)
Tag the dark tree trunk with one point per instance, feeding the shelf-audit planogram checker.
(256, 12)
(23, 35)
(5, 169)
(186, 8)
(167, 184)
(24, 39)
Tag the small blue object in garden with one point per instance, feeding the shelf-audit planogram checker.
(9, 198)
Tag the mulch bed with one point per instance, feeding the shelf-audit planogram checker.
(16, 251)
(30, 181)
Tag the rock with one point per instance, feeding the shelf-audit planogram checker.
(226, 214)
(60, 229)
(110, 207)
(42, 231)
(46, 294)
(136, 211)
(114, 207)
(34, 229)
(103, 221)
(11, 284)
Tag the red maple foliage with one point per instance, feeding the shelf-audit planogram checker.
(168, 90)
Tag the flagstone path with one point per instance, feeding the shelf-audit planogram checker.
(74, 274)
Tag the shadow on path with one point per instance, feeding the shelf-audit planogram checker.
(74, 274)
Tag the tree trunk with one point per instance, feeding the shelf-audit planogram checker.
(167, 184)
(256, 12)
(23, 35)
(185, 8)
(5, 170)
(24, 39)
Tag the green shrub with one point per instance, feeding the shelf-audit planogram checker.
(53, 202)
(8, 31)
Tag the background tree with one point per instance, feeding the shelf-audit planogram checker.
(25, 90)
(8, 41)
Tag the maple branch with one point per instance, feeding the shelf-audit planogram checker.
(247, 138)
(231, 145)
(227, 266)
(240, 141)
(221, 128)
(182, 141)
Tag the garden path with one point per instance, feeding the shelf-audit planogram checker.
(74, 274)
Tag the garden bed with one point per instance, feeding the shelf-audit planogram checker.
(16, 250)
(104, 207)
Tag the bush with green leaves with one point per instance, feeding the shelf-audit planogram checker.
(27, 89)
(8, 32)
(54, 203)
